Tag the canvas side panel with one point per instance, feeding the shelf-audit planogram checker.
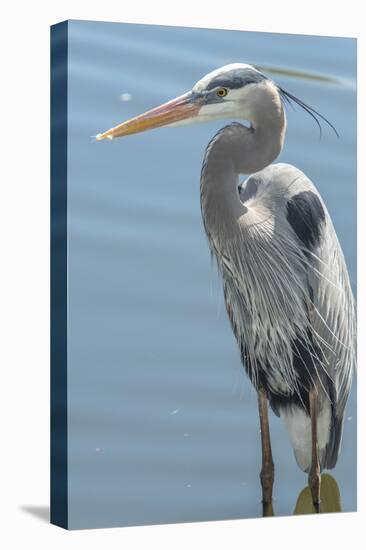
(59, 473)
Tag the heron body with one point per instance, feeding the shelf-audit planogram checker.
(289, 340)
(285, 281)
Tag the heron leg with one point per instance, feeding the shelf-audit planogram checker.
(267, 472)
(314, 473)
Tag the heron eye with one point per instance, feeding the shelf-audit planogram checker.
(222, 92)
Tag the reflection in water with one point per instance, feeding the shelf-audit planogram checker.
(267, 509)
(297, 74)
(329, 494)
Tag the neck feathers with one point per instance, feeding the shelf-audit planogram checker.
(237, 149)
(268, 120)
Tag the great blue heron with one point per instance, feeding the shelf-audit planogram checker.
(286, 286)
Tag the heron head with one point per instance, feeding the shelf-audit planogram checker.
(229, 91)
(233, 91)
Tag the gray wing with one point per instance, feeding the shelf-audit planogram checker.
(305, 230)
(331, 304)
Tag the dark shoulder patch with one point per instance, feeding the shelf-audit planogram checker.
(306, 215)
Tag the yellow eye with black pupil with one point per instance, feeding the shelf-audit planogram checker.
(222, 92)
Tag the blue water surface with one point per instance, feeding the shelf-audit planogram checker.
(163, 423)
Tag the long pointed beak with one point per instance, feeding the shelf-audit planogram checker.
(183, 107)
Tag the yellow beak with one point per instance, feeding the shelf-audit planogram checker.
(178, 109)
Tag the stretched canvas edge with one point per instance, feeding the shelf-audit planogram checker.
(59, 440)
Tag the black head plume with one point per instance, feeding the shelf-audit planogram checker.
(289, 99)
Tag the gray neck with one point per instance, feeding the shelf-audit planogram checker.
(235, 150)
